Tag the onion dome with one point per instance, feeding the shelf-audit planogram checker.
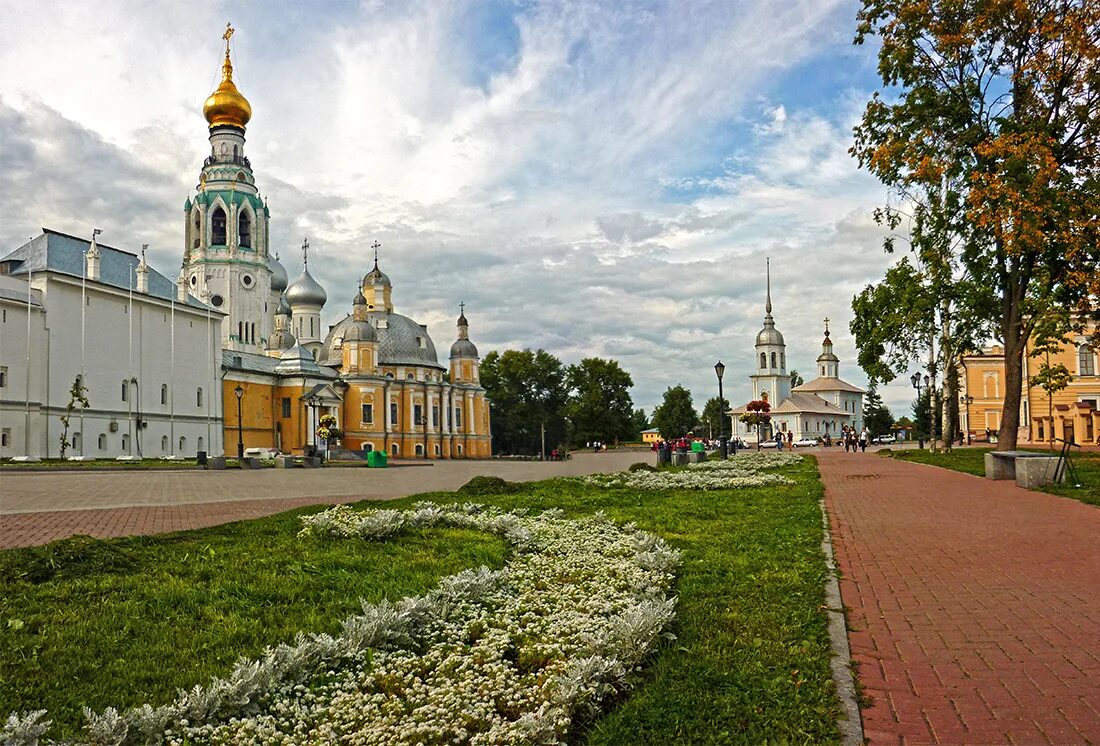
(297, 359)
(376, 276)
(281, 339)
(305, 291)
(226, 106)
(359, 331)
(284, 307)
(359, 299)
(279, 279)
(463, 348)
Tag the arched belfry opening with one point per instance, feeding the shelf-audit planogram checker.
(217, 227)
(244, 229)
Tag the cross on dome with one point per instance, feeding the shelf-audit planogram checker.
(376, 246)
(305, 252)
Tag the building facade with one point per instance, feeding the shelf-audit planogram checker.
(148, 357)
(1072, 414)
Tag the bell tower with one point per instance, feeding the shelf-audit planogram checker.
(225, 253)
(771, 356)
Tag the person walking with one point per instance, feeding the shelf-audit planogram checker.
(778, 442)
(790, 439)
(863, 435)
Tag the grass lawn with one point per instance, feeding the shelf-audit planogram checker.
(750, 662)
(972, 461)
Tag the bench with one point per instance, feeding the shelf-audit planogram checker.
(1029, 470)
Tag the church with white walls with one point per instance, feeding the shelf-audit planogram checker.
(813, 409)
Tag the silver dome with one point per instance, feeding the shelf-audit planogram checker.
(769, 335)
(284, 307)
(463, 348)
(397, 337)
(281, 339)
(360, 331)
(297, 359)
(305, 291)
(279, 279)
(376, 277)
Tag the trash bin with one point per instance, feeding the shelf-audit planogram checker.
(376, 459)
(697, 446)
(200, 457)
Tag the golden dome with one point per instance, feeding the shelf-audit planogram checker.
(226, 105)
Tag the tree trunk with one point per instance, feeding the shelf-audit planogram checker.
(950, 404)
(1015, 341)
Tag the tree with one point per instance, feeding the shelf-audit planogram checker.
(876, 415)
(1050, 378)
(796, 378)
(600, 407)
(639, 422)
(922, 412)
(991, 122)
(77, 395)
(675, 416)
(527, 390)
(715, 417)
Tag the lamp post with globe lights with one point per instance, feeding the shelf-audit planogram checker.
(239, 393)
(720, 370)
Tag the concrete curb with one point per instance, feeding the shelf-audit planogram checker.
(851, 725)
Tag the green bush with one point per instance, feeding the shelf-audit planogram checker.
(488, 486)
(640, 466)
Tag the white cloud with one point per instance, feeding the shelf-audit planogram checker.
(543, 194)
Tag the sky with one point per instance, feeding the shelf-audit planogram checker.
(594, 179)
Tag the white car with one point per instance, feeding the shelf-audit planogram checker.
(884, 439)
(805, 442)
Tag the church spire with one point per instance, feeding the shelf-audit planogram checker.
(768, 303)
(828, 364)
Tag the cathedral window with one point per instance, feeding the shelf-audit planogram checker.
(244, 230)
(419, 449)
(164, 444)
(394, 449)
(773, 361)
(286, 407)
(102, 442)
(164, 393)
(418, 414)
(763, 360)
(458, 417)
(435, 416)
(368, 414)
(198, 398)
(202, 444)
(183, 444)
(217, 227)
(125, 388)
(783, 360)
(393, 413)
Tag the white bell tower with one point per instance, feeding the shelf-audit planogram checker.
(771, 377)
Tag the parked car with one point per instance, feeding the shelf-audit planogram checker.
(882, 439)
(805, 442)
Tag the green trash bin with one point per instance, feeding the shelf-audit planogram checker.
(697, 446)
(376, 459)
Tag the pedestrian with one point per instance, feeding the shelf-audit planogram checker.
(863, 440)
(778, 442)
(790, 439)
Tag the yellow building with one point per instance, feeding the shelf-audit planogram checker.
(376, 372)
(653, 435)
(1071, 414)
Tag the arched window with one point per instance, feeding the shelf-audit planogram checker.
(183, 444)
(244, 230)
(763, 360)
(217, 226)
(76, 441)
(164, 444)
(102, 442)
(394, 449)
(198, 397)
(460, 450)
(125, 387)
(773, 361)
(202, 443)
(368, 447)
(164, 393)
(1085, 364)
(252, 333)
(126, 442)
(783, 360)
(240, 330)
(419, 449)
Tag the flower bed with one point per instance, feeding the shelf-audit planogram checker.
(746, 470)
(490, 657)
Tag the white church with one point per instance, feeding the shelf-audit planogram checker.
(814, 409)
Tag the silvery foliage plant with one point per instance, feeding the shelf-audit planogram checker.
(746, 470)
(510, 656)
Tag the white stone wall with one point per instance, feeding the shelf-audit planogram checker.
(121, 346)
(13, 364)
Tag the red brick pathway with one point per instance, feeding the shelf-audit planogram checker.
(974, 605)
(31, 529)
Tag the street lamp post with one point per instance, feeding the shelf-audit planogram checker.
(720, 370)
(915, 380)
(967, 399)
(239, 392)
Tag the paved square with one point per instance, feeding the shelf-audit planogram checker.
(974, 605)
